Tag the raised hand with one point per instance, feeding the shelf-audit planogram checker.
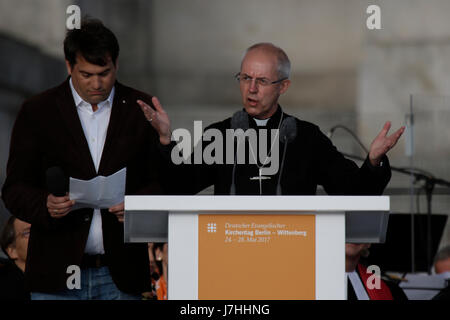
(382, 143)
(158, 119)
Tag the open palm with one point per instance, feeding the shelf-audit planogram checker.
(383, 143)
(158, 119)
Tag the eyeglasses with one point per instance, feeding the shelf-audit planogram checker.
(259, 81)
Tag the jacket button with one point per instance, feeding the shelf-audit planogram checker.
(86, 218)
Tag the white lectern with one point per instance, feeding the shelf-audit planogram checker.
(256, 247)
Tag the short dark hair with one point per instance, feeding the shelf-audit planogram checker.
(8, 236)
(93, 41)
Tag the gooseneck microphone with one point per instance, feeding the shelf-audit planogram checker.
(57, 182)
(238, 121)
(288, 132)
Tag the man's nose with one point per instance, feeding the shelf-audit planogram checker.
(96, 83)
(253, 86)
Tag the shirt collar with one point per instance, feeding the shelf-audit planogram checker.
(272, 123)
(261, 123)
(79, 102)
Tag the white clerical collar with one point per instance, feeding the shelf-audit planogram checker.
(79, 102)
(261, 123)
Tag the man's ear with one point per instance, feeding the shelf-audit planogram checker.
(69, 68)
(117, 64)
(284, 85)
(12, 253)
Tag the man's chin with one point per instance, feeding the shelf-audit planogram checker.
(252, 111)
(96, 99)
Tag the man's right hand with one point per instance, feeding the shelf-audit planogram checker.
(158, 119)
(59, 207)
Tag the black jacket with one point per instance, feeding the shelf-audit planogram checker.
(48, 133)
(12, 282)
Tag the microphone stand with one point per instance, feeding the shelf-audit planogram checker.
(430, 183)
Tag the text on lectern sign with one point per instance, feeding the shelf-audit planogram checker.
(265, 256)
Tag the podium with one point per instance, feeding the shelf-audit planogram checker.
(256, 247)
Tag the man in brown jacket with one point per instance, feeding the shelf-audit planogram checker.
(89, 125)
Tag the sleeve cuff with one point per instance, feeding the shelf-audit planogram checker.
(166, 150)
(383, 163)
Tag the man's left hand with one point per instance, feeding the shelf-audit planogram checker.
(118, 210)
(382, 143)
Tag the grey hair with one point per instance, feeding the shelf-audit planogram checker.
(283, 66)
(443, 254)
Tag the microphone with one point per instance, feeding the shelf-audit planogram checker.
(331, 132)
(238, 121)
(57, 181)
(288, 132)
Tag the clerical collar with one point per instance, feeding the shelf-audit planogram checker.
(271, 122)
(261, 123)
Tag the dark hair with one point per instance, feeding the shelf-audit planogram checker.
(8, 236)
(93, 41)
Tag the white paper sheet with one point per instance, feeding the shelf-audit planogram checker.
(98, 193)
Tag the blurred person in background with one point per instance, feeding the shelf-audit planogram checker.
(442, 266)
(442, 260)
(158, 254)
(158, 257)
(358, 277)
(14, 243)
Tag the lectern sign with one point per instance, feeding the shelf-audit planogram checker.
(265, 256)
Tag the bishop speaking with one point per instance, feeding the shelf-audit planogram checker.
(303, 156)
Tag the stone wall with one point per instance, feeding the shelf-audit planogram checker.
(410, 56)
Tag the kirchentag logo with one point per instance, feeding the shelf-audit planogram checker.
(212, 227)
